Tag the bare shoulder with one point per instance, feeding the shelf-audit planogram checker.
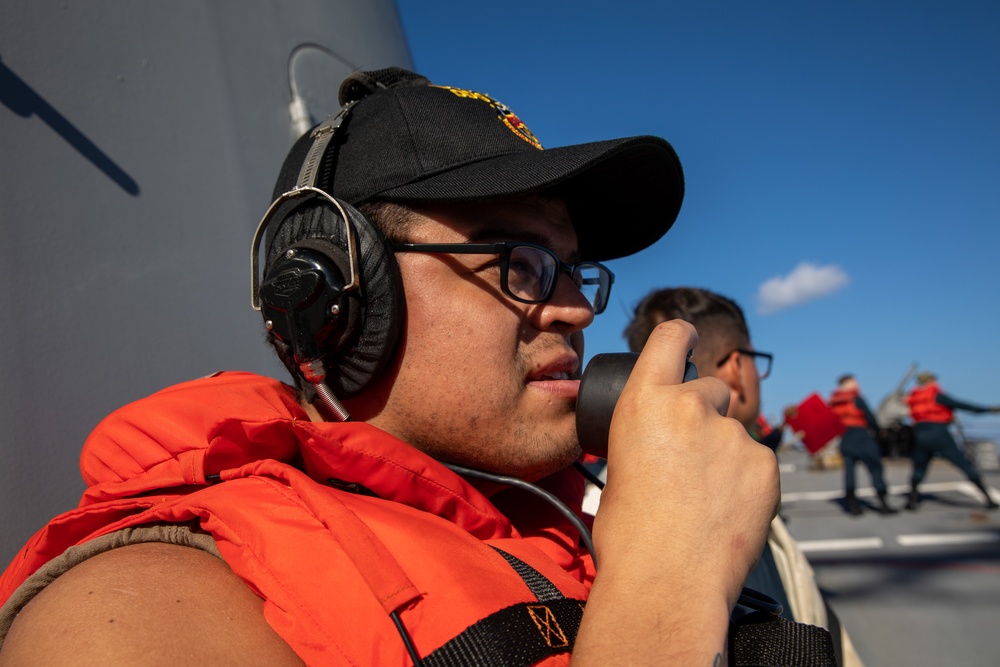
(146, 604)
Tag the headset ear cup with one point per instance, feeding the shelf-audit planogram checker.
(352, 369)
(371, 316)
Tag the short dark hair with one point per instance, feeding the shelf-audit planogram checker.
(393, 219)
(719, 320)
(845, 377)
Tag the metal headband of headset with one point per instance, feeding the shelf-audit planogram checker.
(306, 186)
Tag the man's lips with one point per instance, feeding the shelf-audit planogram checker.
(556, 380)
(551, 375)
(555, 369)
(565, 388)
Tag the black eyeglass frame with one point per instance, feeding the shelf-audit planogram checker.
(751, 353)
(504, 249)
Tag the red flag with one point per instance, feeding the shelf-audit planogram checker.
(815, 421)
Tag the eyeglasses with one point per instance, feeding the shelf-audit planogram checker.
(529, 272)
(761, 359)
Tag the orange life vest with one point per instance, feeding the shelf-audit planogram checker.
(843, 405)
(764, 428)
(924, 406)
(335, 525)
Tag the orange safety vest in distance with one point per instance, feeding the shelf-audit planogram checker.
(763, 427)
(336, 526)
(842, 404)
(924, 406)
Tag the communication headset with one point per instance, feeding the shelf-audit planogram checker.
(329, 290)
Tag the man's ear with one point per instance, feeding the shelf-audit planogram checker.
(731, 373)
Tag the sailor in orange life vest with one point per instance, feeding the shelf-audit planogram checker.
(857, 444)
(428, 316)
(932, 411)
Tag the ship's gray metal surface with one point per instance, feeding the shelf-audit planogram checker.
(139, 145)
(917, 588)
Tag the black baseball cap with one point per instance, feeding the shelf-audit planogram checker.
(405, 139)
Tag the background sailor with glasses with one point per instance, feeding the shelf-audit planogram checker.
(724, 351)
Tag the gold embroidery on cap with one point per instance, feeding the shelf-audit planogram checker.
(515, 124)
(548, 626)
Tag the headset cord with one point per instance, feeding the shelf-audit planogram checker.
(407, 640)
(591, 477)
(330, 402)
(578, 523)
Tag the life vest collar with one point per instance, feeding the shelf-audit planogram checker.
(205, 430)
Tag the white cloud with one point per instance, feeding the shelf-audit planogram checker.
(805, 283)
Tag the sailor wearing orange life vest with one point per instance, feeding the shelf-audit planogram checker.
(857, 444)
(932, 411)
(242, 521)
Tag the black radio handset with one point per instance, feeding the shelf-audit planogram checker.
(601, 385)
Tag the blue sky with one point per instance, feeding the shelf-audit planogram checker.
(842, 162)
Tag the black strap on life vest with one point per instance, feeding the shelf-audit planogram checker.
(529, 632)
(764, 639)
(540, 587)
(520, 635)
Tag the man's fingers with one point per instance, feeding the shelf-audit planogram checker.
(661, 361)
